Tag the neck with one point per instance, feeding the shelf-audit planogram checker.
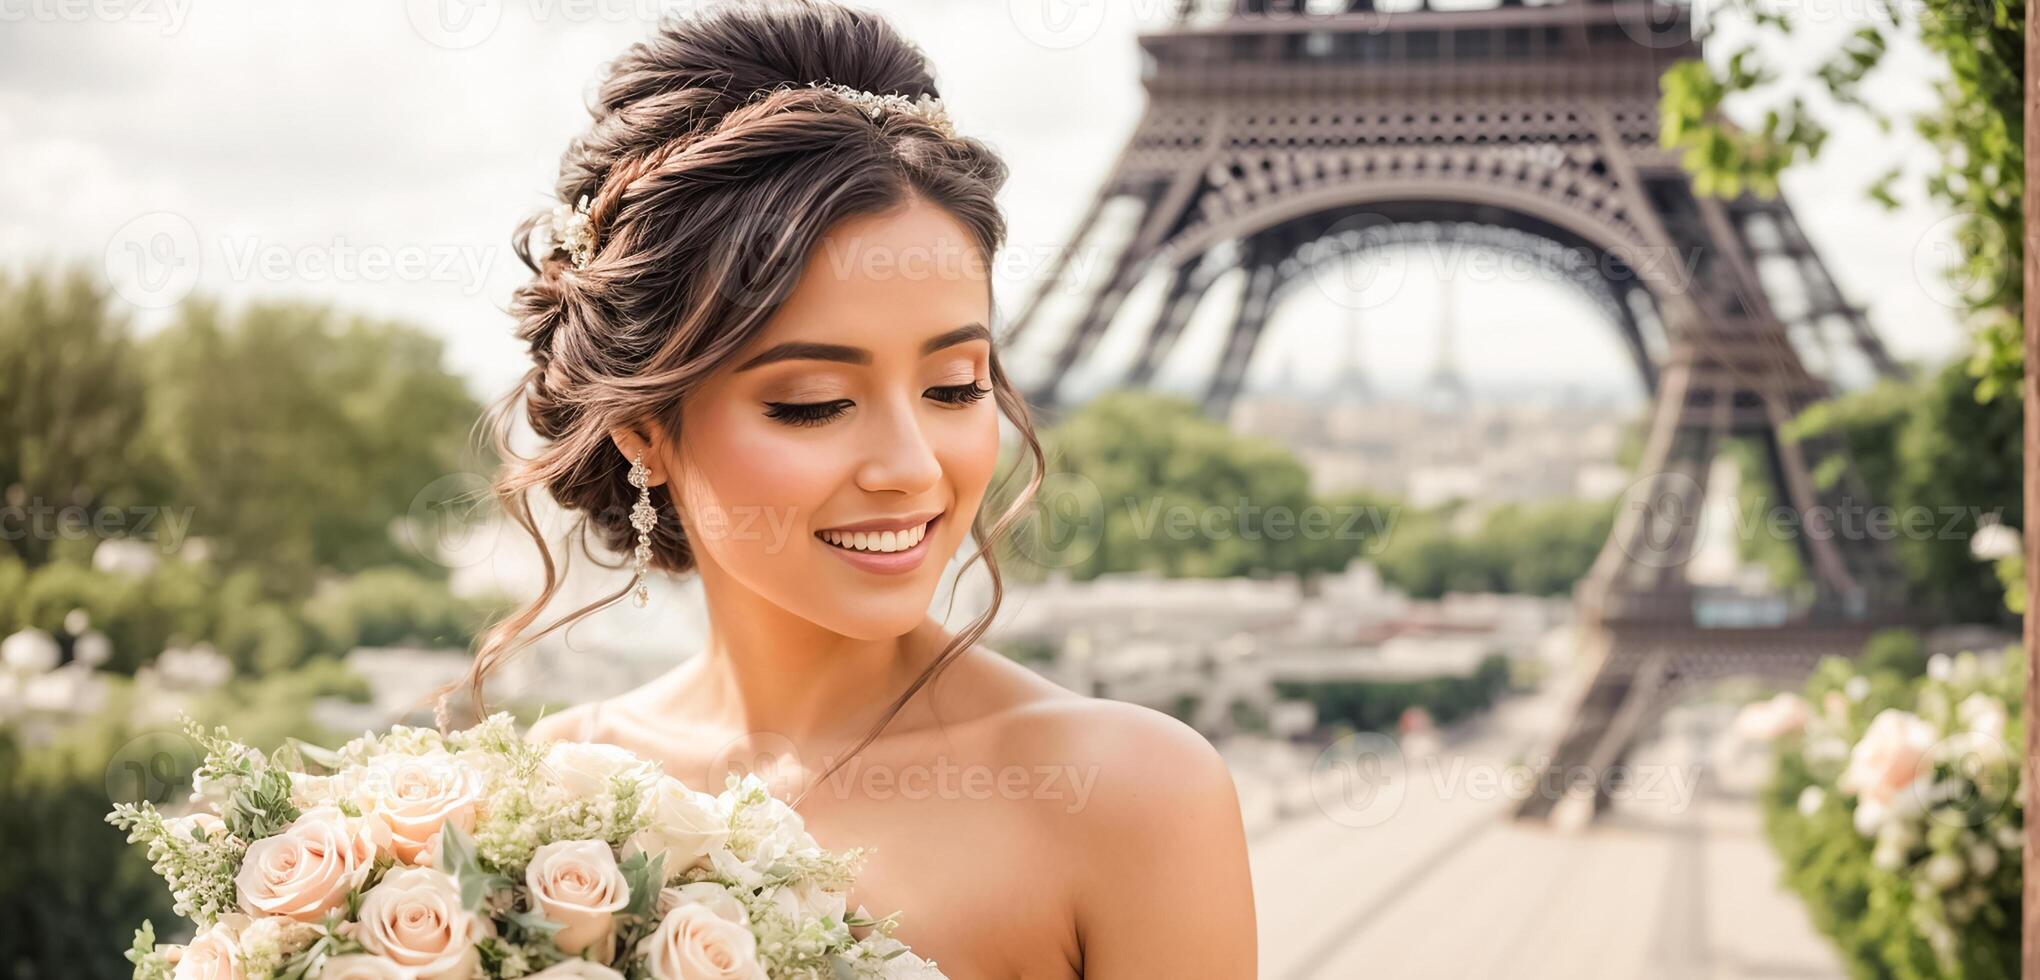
(765, 671)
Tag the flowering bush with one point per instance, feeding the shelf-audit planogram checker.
(478, 855)
(1896, 807)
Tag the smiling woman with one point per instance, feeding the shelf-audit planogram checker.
(769, 308)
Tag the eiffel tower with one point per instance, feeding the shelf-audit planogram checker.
(1280, 137)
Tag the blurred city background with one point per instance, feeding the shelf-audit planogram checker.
(1554, 451)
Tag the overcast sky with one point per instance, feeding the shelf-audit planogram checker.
(291, 146)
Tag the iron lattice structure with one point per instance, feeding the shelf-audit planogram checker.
(1281, 136)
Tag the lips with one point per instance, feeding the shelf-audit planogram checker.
(875, 540)
(892, 546)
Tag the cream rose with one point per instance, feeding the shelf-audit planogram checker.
(311, 866)
(214, 955)
(695, 942)
(204, 822)
(686, 827)
(1884, 762)
(358, 966)
(576, 883)
(414, 918)
(586, 769)
(808, 900)
(576, 970)
(417, 795)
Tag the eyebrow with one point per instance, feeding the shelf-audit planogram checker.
(796, 350)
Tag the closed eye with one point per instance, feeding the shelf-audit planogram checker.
(806, 413)
(959, 394)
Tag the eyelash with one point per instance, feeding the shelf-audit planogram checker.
(818, 413)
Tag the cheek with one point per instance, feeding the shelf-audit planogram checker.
(970, 455)
(749, 483)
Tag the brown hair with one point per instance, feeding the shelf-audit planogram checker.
(712, 168)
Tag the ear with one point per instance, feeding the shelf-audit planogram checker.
(630, 442)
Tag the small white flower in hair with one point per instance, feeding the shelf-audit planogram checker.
(926, 106)
(572, 233)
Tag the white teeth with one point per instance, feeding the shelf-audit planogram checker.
(880, 541)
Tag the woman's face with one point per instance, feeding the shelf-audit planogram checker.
(833, 467)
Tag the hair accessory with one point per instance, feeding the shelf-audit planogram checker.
(571, 233)
(926, 106)
(642, 517)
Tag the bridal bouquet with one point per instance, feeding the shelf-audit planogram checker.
(478, 855)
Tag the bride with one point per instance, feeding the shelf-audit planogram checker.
(760, 327)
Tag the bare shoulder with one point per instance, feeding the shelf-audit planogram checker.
(565, 725)
(1148, 813)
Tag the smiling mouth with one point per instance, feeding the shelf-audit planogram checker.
(878, 542)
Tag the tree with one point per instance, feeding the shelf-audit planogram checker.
(298, 436)
(1141, 481)
(1978, 129)
(71, 411)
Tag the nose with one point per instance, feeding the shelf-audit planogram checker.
(899, 456)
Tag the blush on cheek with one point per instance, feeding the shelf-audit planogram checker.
(752, 491)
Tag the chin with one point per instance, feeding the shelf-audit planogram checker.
(879, 619)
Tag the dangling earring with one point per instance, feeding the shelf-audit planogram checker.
(642, 517)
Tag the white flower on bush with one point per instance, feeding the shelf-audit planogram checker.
(577, 884)
(1943, 871)
(576, 970)
(702, 937)
(360, 966)
(417, 795)
(1982, 714)
(1810, 800)
(1884, 763)
(311, 866)
(1766, 721)
(214, 954)
(414, 918)
(1983, 858)
(687, 826)
(586, 769)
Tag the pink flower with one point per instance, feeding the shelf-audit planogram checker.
(311, 866)
(413, 917)
(417, 795)
(1885, 761)
(1767, 721)
(694, 942)
(576, 883)
(214, 955)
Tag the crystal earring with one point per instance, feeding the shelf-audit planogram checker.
(642, 517)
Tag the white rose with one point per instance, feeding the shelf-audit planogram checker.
(311, 866)
(718, 899)
(576, 970)
(692, 942)
(1888, 757)
(586, 769)
(417, 795)
(577, 884)
(359, 966)
(907, 966)
(414, 917)
(808, 901)
(214, 954)
(203, 821)
(686, 827)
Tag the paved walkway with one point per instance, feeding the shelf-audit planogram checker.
(1674, 882)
